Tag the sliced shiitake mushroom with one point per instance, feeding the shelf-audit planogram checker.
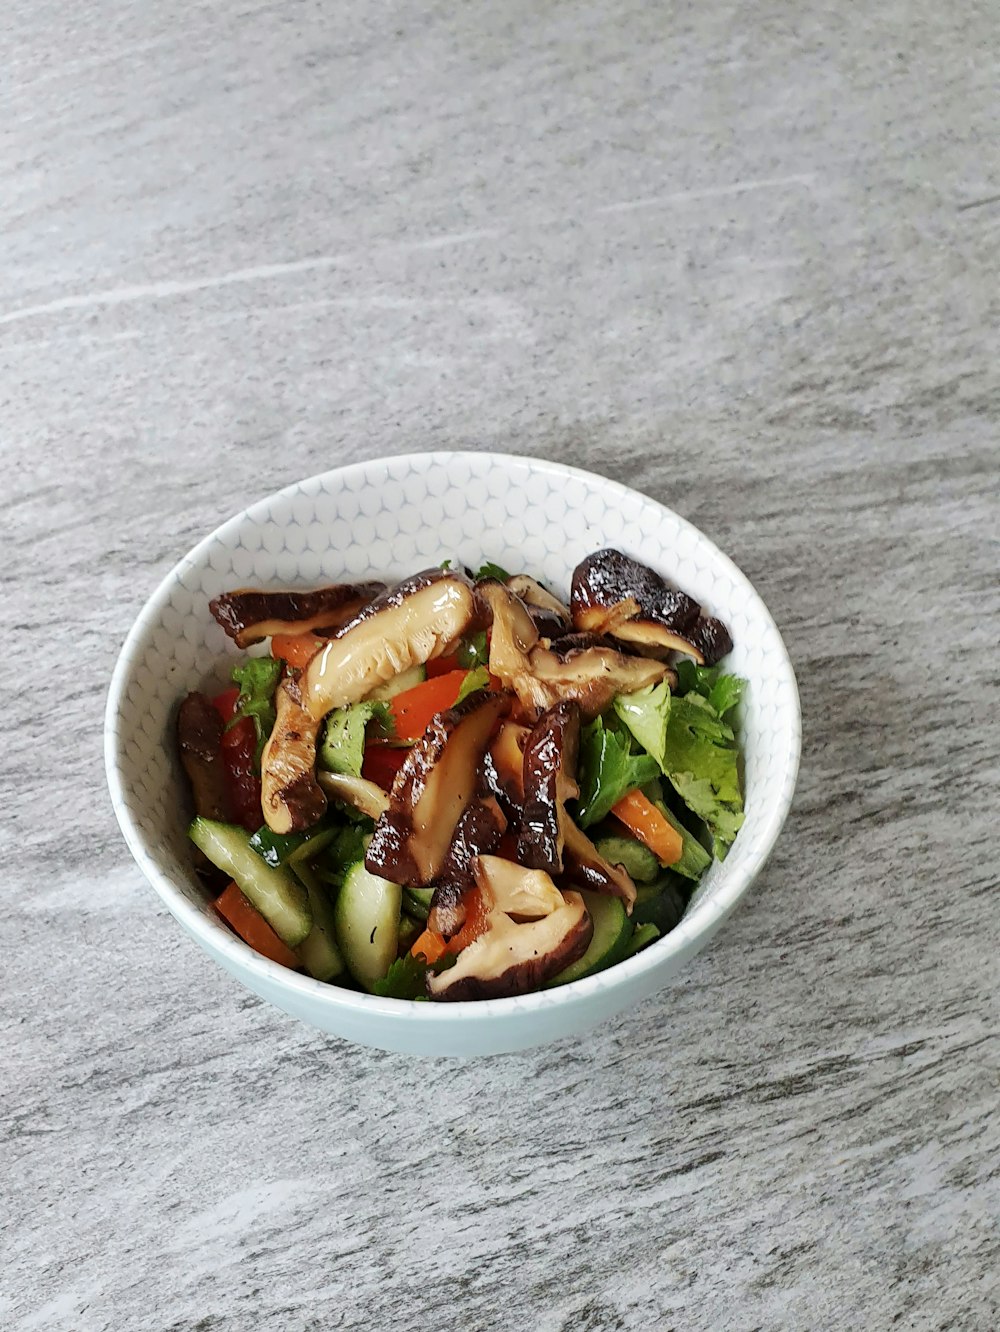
(586, 867)
(550, 758)
(199, 737)
(248, 615)
(580, 667)
(358, 792)
(551, 618)
(438, 778)
(479, 830)
(422, 618)
(511, 958)
(615, 595)
(504, 767)
(516, 890)
(291, 797)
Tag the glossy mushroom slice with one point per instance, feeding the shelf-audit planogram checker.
(550, 758)
(503, 767)
(199, 738)
(586, 867)
(616, 595)
(478, 831)
(512, 958)
(524, 894)
(422, 618)
(551, 618)
(436, 782)
(579, 667)
(358, 792)
(291, 797)
(588, 670)
(248, 615)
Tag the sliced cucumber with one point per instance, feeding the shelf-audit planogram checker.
(417, 901)
(287, 848)
(639, 862)
(318, 951)
(642, 938)
(399, 683)
(276, 893)
(612, 934)
(366, 915)
(660, 903)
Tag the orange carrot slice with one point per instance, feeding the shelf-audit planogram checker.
(641, 817)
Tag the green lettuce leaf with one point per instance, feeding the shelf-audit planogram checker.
(646, 714)
(342, 748)
(608, 769)
(258, 679)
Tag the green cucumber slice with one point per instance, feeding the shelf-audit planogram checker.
(417, 901)
(399, 684)
(366, 916)
(643, 937)
(612, 934)
(276, 893)
(639, 862)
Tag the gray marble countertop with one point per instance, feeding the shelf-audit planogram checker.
(741, 257)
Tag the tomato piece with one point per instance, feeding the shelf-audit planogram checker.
(381, 763)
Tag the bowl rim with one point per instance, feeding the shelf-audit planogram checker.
(700, 920)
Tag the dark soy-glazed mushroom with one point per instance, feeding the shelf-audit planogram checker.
(580, 667)
(551, 618)
(436, 782)
(478, 831)
(512, 958)
(550, 758)
(615, 595)
(248, 616)
(199, 737)
(291, 797)
(586, 867)
(421, 618)
(503, 768)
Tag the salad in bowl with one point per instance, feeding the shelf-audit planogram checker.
(462, 787)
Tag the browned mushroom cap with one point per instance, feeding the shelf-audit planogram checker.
(512, 958)
(423, 617)
(291, 797)
(578, 667)
(478, 830)
(613, 594)
(551, 618)
(199, 738)
(249, 615)
(437, 780)
(587, 868)
(550, 757)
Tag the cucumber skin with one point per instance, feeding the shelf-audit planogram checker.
(398, 685)
(274, 891)
(318, 951)
(639, 862)
(360, 903)
(603, 951)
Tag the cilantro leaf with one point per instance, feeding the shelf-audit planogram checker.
(491, 570)
(701, 764)
(342, 748)
(646, 714)
(608, 769)
(472, 651)
(258, 679)
(405, 979)
(723, 692)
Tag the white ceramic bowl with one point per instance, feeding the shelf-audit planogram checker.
(390, 517)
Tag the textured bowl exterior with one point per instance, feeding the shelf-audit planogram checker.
(387, 518)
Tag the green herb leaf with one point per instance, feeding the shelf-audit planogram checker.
(646, 714)
(472, 651)
(722, 692)
(608, 769)
(701, 764)
(491, 570)
(258, 679)
(405, 979)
